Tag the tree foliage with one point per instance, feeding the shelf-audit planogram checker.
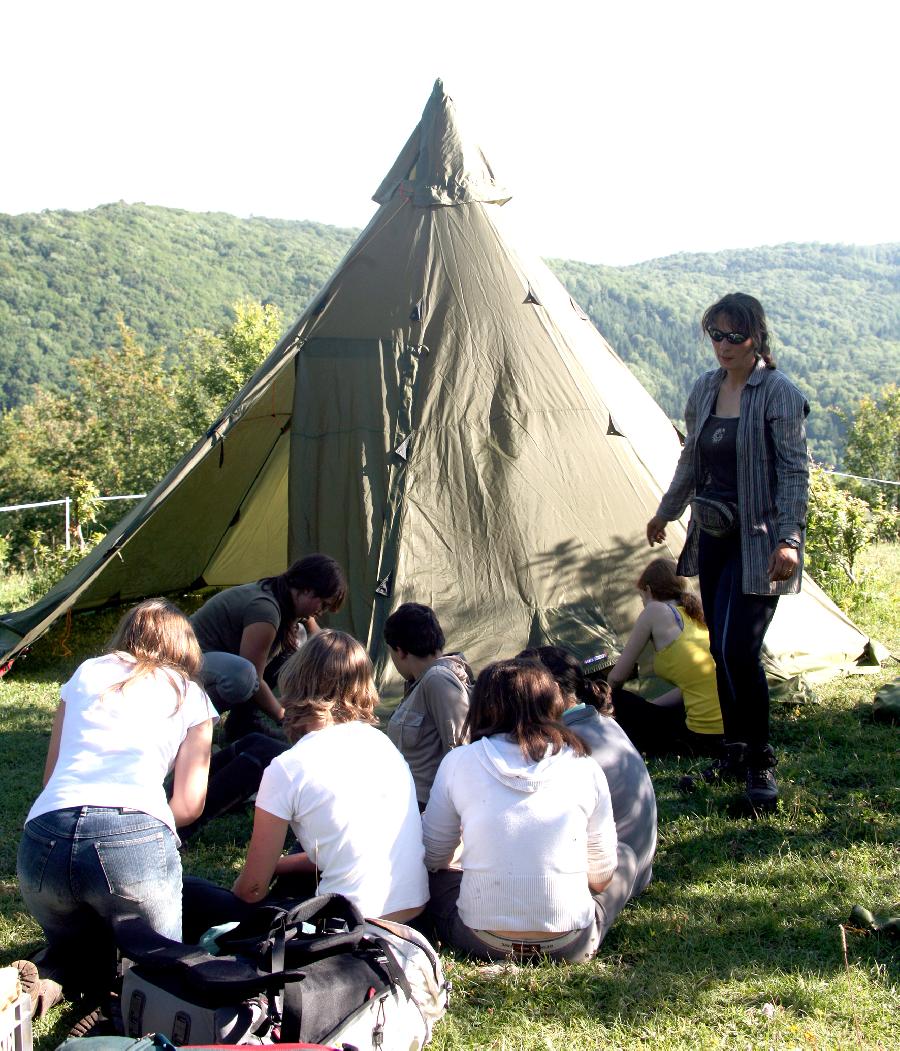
(124, 425)
(66, 278)
(840, 526)
(873, 444)
(215, 365)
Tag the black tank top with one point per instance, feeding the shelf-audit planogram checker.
(718, 452)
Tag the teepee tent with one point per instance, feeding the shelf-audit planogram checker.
(447, 423)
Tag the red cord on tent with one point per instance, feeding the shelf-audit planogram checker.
(62, 646)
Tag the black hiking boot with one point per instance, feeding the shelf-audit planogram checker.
(729, 768)
(762, 788)
(246, 719)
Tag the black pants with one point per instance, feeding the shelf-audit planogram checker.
(205, 905)
(657, 730)
(234, 775)
(737, 626)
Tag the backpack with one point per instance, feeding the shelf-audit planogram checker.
(309, 972)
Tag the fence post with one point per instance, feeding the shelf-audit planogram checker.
(68, 524)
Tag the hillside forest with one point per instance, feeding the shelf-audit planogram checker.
(176, 308)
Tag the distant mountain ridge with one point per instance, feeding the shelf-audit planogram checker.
(65, 277)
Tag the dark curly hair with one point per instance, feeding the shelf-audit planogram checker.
(566, 669)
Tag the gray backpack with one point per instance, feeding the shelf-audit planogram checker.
(313, 972)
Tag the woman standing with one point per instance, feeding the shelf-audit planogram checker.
(686, 720)
(744, 471)
(99, 841)
(534, 815)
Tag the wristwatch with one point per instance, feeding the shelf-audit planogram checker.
(790, 541)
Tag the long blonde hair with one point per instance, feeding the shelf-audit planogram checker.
(159, 637)
(330, 674)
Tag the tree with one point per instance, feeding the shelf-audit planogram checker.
(128, 420)
(118, 432)
(219, 363)
(126, 411)
(873, 444)
(839, 526)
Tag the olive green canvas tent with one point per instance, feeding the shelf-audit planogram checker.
(447, 423)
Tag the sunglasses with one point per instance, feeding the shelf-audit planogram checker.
(716, 335)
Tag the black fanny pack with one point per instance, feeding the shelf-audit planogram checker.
(716, 517)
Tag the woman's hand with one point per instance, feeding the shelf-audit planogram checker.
(656, 530)
(266, 844)
(783, 562)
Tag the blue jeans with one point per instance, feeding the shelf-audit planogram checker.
(228, 679)
(82, 868)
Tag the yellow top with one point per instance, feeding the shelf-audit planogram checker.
(688, 664)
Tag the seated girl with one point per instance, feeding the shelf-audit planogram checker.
(344, 790)
(99, 841)
(533, 812)
(686, 720)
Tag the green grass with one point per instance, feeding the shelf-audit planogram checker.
(736, 944)
(15, 589)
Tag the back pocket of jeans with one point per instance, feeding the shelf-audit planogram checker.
(132, 863)
(34, 853)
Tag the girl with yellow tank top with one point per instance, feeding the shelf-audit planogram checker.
(686, 719)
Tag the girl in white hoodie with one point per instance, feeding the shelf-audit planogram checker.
(534, 816)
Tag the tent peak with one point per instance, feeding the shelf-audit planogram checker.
(439, 165)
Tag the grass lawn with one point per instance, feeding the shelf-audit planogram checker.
(738, 942)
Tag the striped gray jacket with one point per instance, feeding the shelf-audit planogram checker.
(772, 474)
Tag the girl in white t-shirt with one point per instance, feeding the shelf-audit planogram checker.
(344, 790)
(99, 842)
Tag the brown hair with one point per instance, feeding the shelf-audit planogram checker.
(666, 585)
(159, 636)
(330, 674)
(520, 698)
(566, 670)
(746, 315)
(319, 574)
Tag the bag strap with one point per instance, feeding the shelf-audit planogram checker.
(392, 965)
(410, 934)
(285, 921)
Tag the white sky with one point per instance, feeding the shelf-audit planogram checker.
(625, 129)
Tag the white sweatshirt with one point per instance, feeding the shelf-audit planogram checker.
(533, 834)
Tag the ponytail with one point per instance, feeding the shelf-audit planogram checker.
(666, 585)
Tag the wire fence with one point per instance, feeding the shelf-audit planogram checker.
(66, 502)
